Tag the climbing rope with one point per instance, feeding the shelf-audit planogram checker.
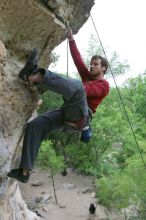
(67, 66)
(128, 119)
(67, 49)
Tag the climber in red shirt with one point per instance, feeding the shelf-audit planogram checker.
(95, 85)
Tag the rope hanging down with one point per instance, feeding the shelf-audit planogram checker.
(128, 119)
(67, 73)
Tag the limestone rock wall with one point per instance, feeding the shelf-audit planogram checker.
(14, 207)
(23, 25)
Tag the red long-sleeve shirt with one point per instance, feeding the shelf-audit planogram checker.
(96, 89)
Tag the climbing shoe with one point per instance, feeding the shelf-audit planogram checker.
(31, 66)
(17, 174)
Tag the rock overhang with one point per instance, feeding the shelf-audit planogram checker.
(39, 23)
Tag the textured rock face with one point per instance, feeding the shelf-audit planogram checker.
(38, 23)
(26, 24)
(16, 104)
(13, 207)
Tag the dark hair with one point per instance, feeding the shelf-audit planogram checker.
(104, 61)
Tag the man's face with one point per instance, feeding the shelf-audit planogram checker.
(96, 68)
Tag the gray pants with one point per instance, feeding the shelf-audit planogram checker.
(75, 107)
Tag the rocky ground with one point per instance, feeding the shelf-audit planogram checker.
(74, 193)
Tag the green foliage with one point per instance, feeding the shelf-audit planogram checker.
(116, 192)
(118, 67)
(125, 188)
(51, 101)
(136, 169)
(48, 158)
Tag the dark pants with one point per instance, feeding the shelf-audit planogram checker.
(74, 109)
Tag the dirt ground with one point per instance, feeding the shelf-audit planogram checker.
(74, 193)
